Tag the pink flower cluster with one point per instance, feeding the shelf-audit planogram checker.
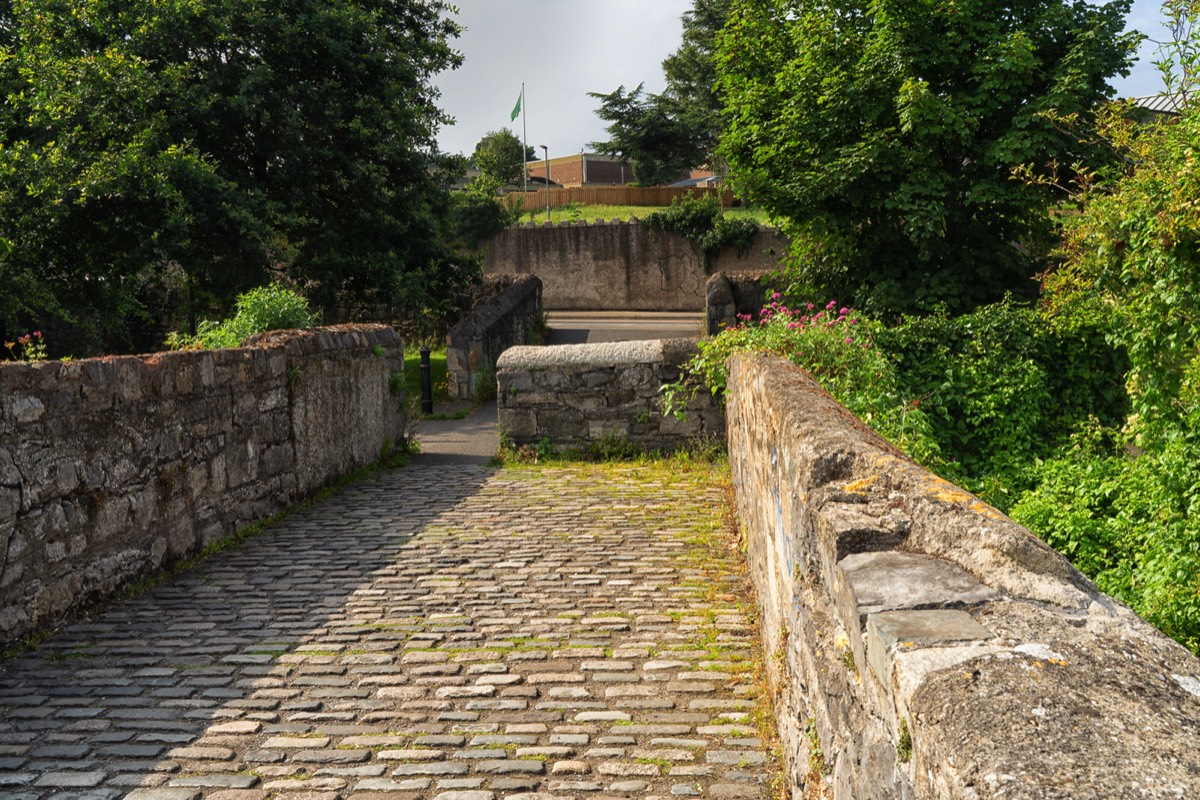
(807, 318)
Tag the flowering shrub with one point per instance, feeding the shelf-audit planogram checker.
(835, 346)
(30, 347)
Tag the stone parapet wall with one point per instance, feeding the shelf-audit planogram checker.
(575, 394)
(509, 318)
(933, 647)
(619, 265)
(728, 294)
(111, 468)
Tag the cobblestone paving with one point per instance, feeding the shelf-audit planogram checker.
(441, 632)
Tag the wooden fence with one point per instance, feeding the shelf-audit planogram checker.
(613, 196)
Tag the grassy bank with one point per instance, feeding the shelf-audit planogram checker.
(576, 212)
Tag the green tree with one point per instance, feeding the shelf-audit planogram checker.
(885, 134)
(665, 135)
(691, 73)
(1133, 253)
(650, 131)
(501, 157)
(204, 146)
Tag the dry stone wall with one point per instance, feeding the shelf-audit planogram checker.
(930, 645)
(619, 265)
(574, 394)
(113, 467)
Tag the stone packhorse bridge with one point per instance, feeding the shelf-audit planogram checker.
(470, 633)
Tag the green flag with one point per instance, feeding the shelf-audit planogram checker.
(516, 110)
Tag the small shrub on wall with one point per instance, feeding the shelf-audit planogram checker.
(267, 308)
(701, 221)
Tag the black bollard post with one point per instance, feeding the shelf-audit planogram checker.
(426, 383)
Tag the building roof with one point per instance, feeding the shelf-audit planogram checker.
(575, 157)
(1160, 103)
(688, 183)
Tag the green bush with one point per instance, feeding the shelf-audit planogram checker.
(690, 217)
(478, 214)
(1123, 519)
(1002, 387)
(267, 308)
(701, 221)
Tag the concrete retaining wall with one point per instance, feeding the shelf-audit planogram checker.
(601, 266)
(113, 467)
(574, 394)
(935, 648)
(509, 318)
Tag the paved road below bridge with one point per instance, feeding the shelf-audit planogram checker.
(579, 327)
(438, 631)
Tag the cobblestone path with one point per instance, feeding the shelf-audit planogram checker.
(441, 632)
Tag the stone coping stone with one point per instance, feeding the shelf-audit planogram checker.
(599, 355)
(916, 629)
(892, 580)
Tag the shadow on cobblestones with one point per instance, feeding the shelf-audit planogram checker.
(454, 632)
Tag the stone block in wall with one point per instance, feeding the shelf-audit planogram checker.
(939, 649)
(572, 394)
(730, 294)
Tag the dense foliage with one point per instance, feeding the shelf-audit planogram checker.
(889, 141)
(1003, 387)
(177, 150)
(1021, 410)
(477, 213)
(1082, 418)
(884, 135)
(702, 221)
(1124, 501)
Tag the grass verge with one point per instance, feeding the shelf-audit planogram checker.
(576, 212)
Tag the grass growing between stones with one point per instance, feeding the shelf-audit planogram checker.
(614, 450)
(713, 569)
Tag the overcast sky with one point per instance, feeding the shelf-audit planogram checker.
(563, 49)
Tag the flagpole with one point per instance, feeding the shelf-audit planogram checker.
(524, 144)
